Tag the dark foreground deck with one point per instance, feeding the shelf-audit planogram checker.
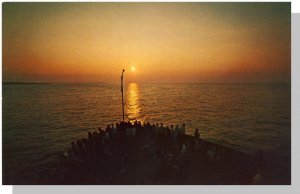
(152, 157)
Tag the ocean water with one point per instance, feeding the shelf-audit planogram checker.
(40, 121)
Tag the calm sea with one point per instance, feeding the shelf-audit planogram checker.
(40, 121)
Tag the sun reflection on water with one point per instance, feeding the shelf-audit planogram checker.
(132, 102)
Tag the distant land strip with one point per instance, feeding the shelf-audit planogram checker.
(23, 83)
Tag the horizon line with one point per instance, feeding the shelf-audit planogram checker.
(101, 82)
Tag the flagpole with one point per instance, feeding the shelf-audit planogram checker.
(122, 93)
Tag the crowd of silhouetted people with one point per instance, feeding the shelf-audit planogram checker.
(124, 134)
(112, 145)
(106, 153)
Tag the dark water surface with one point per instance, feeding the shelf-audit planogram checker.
(40, 121)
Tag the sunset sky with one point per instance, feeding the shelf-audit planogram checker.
(164, 42)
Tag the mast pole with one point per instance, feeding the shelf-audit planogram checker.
(122, 93)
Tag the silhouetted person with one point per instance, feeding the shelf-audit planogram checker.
(94, 137)
(90, 136)
(80, 146)
(160, 133)
(85, 142)
(135, 124)
(172, 134)
(108, 128)
(74, 148)
(183, 129)
(129, 125)
(182, 135)
(168, 135)
(176, 134)
(107, 135)
(156, 132)
(137, 128)
(152, 131)
(113, 129)
(195, 141)
(197, 134)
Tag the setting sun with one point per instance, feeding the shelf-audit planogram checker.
(132, 68)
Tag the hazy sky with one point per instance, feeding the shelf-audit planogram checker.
(165, 42)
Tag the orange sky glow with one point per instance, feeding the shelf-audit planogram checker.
(164, 42)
